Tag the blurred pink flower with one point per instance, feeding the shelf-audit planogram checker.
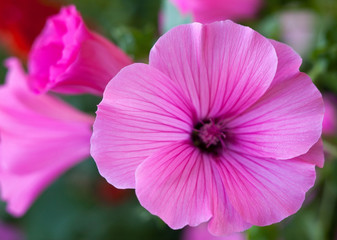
(68, 58)
(298, 29)
(220, 126)
(329, 121)
(41, 137)
(201, 233)
(206, 11)
(8, 232)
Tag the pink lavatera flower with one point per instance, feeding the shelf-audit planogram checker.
(201, 233)
(220, 126)
(40, 138)
(68, 58)
(206, 11)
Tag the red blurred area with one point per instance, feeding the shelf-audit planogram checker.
(111, 195)
(21, 21)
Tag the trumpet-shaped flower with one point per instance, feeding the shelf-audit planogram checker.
(206, 11)
(68, 58)
(220, 126)
(40, 138)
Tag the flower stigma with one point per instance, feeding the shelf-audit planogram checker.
(209, 136)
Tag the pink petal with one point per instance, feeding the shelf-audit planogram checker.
(265, 191)
(289, 62)
(38, 130)
(284, 123)
(226, 220)
(173, 184)
(223, 68)
(21, 190)
(41, 137)
(68, 58)
(141, 111)
(201, 233)
(315, 155)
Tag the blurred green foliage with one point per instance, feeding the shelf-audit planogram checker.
(73, 209)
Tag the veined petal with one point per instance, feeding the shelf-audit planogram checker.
(289, 62)
(286, 122)
(226, 219)
(173, 184)
(223, 68)
(265, 191)
(141, 111)
(315, 155)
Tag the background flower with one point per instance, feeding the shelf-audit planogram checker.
(41, 137)
(68, 58)
(201, 233)
(329, 121)
(206, 11)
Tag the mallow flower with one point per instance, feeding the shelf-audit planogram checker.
(69, 58)
(206, 11)
(40, 138)
(219, 127)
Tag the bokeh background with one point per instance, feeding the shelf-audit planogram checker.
(81, 205)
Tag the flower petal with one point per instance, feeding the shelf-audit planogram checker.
(38, 130)
(226, 219)
(222, 68)
(289, 62)
(315, 155)
(141, 111)
(173, 184)
(286, 122)
(265, 191)
(21, 190)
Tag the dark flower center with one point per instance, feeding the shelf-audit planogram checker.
(209, 136)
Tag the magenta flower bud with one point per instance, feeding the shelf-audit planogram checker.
(68, 58)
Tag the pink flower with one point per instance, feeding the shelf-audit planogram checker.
(329, 121)
(220, 126)
(40, 136)
(206, 11)
(298, 29)
(201, 233)
(68, 58)
(8, 232)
